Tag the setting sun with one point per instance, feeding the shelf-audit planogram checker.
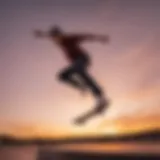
(110, 130)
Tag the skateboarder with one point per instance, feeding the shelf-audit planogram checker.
(76, 74)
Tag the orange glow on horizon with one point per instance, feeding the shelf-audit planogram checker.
(124, 125)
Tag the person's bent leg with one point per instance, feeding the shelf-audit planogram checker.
(102, 102)
(67, 76)
(91, 84)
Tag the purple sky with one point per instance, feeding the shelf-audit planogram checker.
(128, 68)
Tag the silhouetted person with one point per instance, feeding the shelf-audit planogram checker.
(77, 74)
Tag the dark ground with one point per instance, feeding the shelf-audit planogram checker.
(101, 151)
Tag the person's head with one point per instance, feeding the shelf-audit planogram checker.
(55, 31)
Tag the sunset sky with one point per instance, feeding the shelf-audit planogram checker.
(34, 103)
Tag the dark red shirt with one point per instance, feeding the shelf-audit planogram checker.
(71, 47)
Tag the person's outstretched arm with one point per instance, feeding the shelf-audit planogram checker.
(90, 37)
(40, 34)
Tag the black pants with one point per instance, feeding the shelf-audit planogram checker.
(78, 76)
